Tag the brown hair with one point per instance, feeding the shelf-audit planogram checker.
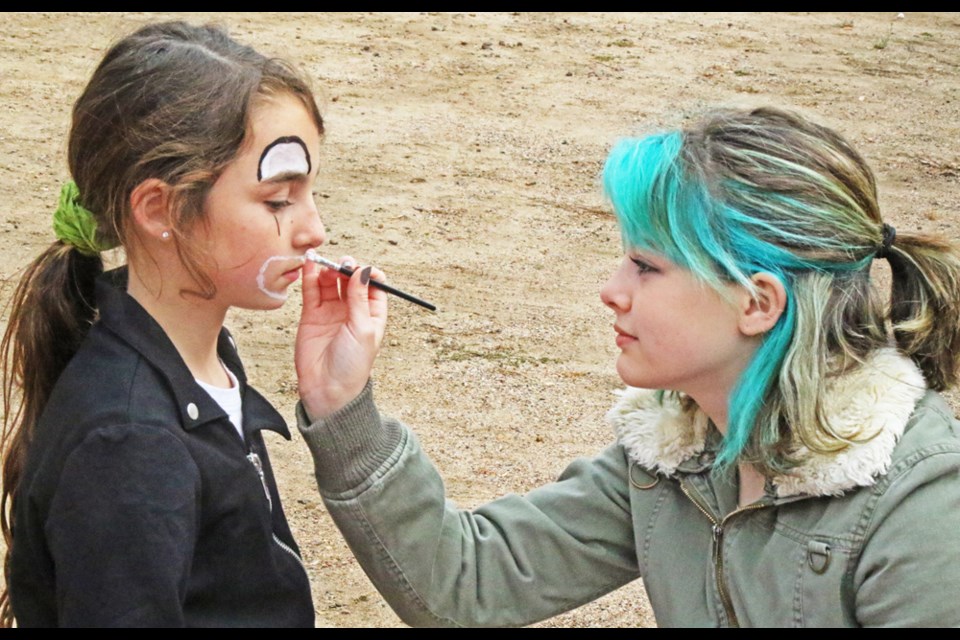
(170, 101)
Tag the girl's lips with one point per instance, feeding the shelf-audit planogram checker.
(295, 264)
(623, 339)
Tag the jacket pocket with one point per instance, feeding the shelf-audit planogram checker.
(820, 600)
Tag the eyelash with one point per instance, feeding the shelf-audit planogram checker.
(643, 267)
(277, 205)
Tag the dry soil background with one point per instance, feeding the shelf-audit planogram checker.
(462, 157)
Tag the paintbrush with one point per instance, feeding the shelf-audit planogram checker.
(313, 256)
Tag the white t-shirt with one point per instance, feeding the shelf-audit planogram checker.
(228, 399)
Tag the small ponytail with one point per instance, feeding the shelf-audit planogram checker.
(51, 313)
(925, 305)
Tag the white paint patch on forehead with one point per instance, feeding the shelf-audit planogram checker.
(284, 155)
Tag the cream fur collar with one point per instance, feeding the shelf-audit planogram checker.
(878, 397)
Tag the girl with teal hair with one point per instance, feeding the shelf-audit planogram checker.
(782, 456)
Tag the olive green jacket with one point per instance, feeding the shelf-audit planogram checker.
(866, 537)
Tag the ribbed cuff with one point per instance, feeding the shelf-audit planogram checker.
(349, 445)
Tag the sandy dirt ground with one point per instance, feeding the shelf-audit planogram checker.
(462, 157)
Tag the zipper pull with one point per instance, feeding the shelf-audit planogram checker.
(258, 465)
(717, 532)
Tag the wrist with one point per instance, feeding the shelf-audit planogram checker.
(319, 406)
(350, 445)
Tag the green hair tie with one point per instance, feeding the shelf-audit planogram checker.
(74, 225)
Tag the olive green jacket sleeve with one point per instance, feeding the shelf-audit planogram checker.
(908, 572)
(511, 562)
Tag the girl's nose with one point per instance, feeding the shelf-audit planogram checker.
(311, 232)
(613, 294)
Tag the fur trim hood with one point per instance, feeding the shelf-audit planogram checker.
(878, 398)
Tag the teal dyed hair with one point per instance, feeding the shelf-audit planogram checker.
(764, 191)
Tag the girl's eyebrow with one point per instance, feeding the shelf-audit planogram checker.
(653, 258)
(286, 176)
(641, 253)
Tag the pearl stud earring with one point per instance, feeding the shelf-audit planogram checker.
(165, 235)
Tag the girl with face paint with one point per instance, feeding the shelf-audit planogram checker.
(137, 489)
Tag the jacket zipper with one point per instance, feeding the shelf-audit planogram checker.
(285, 547)
(717, 549)
(258, 465)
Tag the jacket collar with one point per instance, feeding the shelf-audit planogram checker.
(877, 398)
(125, 318)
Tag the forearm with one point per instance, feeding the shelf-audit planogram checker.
(511, 562)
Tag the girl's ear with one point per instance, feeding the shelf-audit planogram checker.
(149, 203)
(759, 314)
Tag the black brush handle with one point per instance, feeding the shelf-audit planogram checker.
(347, 271)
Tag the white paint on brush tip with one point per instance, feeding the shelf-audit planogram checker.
(313, 256)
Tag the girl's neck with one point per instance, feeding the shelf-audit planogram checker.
(191, 323)
(714, 401)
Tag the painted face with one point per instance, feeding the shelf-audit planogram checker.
(261, 213)
(674, 332)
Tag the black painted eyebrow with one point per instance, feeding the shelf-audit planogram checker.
(284, 140)
(286, 176)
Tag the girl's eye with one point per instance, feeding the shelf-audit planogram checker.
(277, 205)
(642, 266)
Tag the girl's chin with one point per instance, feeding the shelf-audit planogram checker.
(278, 293)
(634, 376)
(264, 302)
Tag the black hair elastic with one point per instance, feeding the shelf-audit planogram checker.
(889, 236)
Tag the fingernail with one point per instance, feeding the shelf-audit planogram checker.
(365, 275)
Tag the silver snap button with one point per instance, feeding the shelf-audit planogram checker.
(192, 411)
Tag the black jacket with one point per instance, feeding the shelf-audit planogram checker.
(139, 504)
